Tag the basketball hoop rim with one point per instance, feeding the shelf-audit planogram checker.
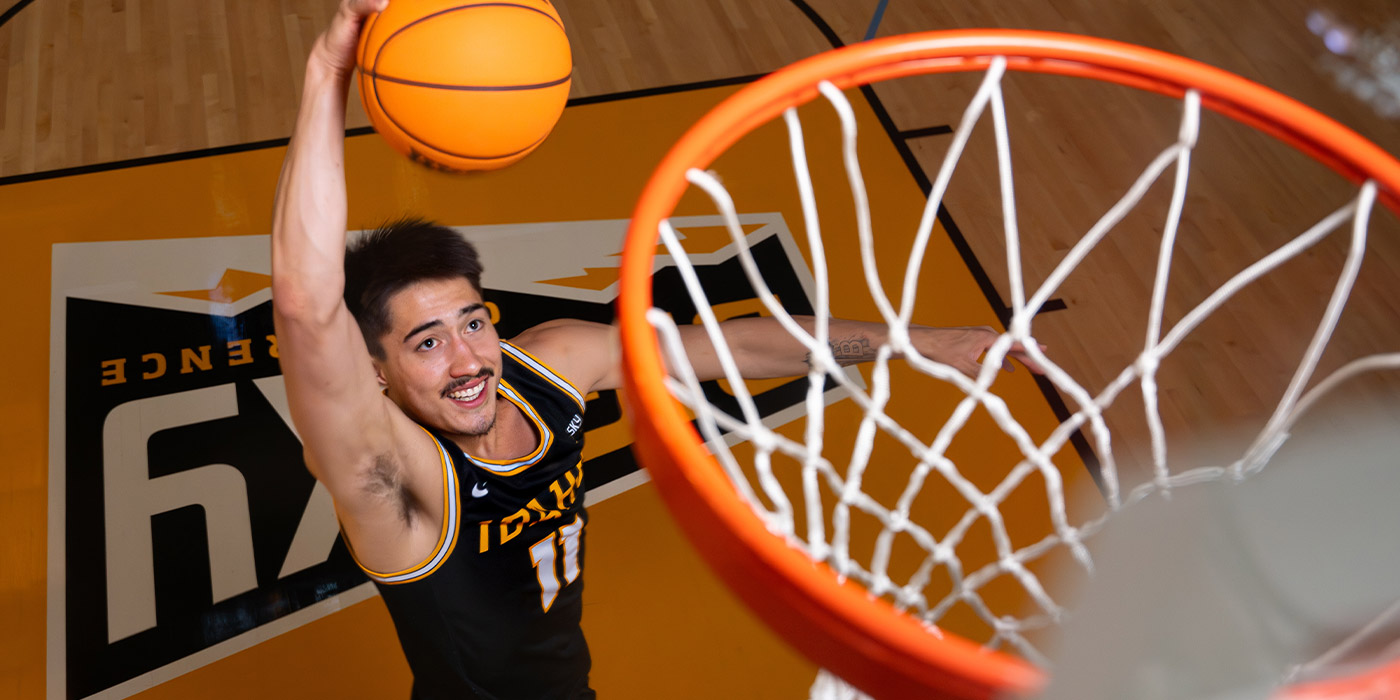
(871, 645)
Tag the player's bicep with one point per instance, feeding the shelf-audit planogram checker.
(590, 354)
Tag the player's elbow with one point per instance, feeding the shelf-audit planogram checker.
(295, 302)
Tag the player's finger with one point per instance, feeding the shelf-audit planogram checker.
(336, 47)
(1026, 360)
(1019, 352)
(970, 368)
(360, 8)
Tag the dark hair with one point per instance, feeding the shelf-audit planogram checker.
(394, 256)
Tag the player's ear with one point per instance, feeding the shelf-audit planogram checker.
(379, 375)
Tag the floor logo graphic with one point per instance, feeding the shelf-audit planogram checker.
(184, 524)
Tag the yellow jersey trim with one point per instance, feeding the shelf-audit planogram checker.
(510, 467)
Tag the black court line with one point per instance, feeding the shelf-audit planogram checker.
(979, 274)
(926, 131)
(664, 90)
(14, 10)
(357, 131)
(820, 23)
(148, 160)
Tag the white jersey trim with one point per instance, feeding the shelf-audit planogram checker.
(541, 369)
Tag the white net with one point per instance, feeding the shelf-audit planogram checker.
(814, 509)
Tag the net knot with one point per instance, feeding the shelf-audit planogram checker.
(1006, 625)
(942, 553)
(898, 339)
(1147, 364)
(764, 441)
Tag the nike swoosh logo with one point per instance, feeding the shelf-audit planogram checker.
(478, 491)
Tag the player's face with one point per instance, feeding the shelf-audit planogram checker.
(443, 357)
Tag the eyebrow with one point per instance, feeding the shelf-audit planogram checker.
(465, 310)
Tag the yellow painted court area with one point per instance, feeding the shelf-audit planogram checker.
(654, 616)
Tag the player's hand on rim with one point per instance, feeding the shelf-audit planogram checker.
(962, 347)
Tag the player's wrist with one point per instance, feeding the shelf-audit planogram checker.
(325, 62)
(334, 49)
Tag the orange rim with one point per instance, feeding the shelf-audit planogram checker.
(1380, 682)
(839, 626)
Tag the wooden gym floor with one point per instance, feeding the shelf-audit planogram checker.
(88, 84)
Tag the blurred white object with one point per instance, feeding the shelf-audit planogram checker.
(1229, 590)
(1365, 62)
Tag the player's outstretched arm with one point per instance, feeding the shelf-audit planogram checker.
(588, 354)
(764, 349)
(356, 442)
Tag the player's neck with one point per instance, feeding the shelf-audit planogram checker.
(511, 437)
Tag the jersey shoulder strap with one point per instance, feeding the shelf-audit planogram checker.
(518, 356)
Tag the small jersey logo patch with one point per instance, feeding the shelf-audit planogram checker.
(478, 491)
(575, 424)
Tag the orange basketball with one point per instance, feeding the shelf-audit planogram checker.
(464, 86)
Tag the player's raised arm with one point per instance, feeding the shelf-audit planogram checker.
(356, 442)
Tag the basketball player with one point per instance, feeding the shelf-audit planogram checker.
(453, 456)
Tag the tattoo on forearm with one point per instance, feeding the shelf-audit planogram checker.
(849, 351)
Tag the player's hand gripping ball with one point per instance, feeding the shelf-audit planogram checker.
(458, 85)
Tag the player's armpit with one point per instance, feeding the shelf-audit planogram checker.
(357, 442)
(391, 504)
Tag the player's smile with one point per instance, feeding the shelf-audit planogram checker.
(470, 392)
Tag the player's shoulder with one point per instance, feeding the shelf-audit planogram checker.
(581, 351)
(560, 327)
(565, 336)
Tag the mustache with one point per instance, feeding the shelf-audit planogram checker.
(463, 381)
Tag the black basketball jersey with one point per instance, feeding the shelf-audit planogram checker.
(494, 611)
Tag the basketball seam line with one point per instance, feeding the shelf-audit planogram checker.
(365, 33)
(424, 142)
(471, 88)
